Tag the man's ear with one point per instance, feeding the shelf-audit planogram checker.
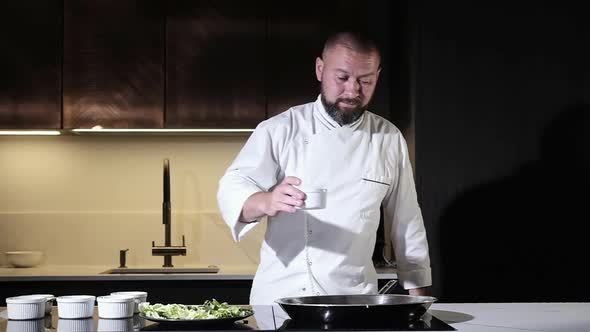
(319, 68)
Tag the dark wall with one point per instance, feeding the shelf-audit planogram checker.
(501, 99)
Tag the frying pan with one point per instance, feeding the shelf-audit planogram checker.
(349, 310)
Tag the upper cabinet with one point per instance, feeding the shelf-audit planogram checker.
(215, 64)
(295, 37)
(296, 33)
(181, 64)
(113, 70)
(30, 63)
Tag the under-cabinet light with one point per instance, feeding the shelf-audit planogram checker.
(111, 130)
(30, 132)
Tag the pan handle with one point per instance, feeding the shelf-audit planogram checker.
(388, 286)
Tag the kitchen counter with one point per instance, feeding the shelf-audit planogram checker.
(464, 317)
(514, 317)
(77, 272)
(87, 273)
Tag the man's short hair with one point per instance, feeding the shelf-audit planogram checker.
(354, 40)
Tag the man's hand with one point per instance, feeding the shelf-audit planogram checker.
(418, 291)
(283, 198)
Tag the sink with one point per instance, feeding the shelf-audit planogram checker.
(162, 270)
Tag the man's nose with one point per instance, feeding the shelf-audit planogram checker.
(352, 88)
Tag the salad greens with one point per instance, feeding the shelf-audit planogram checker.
(208, 310)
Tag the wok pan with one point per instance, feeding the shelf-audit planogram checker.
(349, 310)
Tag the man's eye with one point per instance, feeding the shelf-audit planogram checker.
(365, 82)
(342, 78)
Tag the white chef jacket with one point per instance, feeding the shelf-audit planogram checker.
(328, 251)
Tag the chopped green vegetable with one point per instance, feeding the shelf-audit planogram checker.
(208, 310)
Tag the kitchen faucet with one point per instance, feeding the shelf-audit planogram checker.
(167, 250)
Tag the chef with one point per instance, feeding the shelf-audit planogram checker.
(356, 159)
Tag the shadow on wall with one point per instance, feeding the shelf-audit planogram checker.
(521, 238)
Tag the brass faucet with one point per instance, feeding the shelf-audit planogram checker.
(167, 250)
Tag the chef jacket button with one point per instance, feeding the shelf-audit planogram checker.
(303, 289)
(309, 232)
(305, 141)
(309, 263)
(318, 293)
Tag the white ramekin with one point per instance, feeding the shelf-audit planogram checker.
(139, 296)
(71, 325)
(26, 307)
(32, 325)
(50, 300)
(115, 306)
(122, 325)
(75, 306)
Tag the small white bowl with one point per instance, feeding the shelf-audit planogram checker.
(26, 307)
(50, 300)
(71, 325)
(32, 325)
(116, 306)
(315, 198)
(24, 258)
(125, 324)
(75, 306)
(139, 296)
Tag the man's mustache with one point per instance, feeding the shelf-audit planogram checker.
(354, 101)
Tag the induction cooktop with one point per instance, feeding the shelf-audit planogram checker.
(426, 323)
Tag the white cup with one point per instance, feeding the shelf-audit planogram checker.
(139, 296)
(75, 306)
(115, 306)
(315, 198)
(26, 307)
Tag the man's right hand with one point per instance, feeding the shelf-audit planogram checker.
(283, 198)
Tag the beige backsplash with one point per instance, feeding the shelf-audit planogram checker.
(81, 199)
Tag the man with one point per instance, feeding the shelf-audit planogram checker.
(358, 158)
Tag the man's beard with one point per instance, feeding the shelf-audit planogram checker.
(343, 117)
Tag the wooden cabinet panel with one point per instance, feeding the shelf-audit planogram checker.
(113, 64)
(30, 87)
(215, 64)
(296, 32)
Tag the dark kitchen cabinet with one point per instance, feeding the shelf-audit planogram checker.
(30, 87)
(295, 39)
(181, 63)
(296, 32)
(113, 73)
(159, 291)
(215, 64)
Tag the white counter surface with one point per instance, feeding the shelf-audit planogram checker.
(507, 317)
(514, 317)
